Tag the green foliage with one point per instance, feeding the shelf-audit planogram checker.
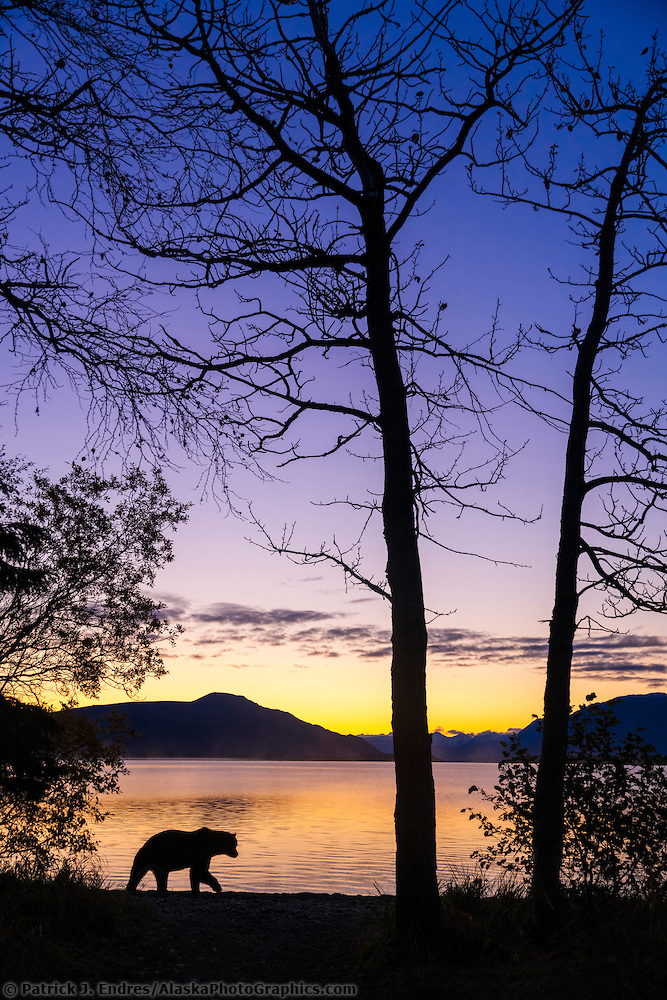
(95, 546)
(615, 809)
(44, 829)
(76, 557)
(62, 925)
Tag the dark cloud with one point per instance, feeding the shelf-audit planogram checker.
(460, 647)
(609, 667)
(641, 658)
(603, 656)
(625, 642)
(376, 652)
(634, 658)
(176, 607)
(214, 640)
(355, 640)
(229, 626)
(240, 614)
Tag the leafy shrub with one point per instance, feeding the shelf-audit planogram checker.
(76, 557)
(615, 809)
(50, 788)
(60, 926)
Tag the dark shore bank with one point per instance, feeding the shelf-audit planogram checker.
(250, 937)
(231, 937)
(179, 944)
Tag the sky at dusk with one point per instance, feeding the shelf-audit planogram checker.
(293, 637)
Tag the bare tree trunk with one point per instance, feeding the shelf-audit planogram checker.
(417, 896)
(548, 809)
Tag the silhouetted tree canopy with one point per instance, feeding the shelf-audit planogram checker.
(64, 313)
(28, 764)
(96, 545)
(74, 616)
(53, 768)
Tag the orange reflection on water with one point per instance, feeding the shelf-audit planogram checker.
(301, 826)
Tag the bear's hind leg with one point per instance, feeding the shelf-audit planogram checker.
(194, 880)
(161, 877)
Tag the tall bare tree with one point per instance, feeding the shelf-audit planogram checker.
(612, 528)
(62, 311)
(296, 143)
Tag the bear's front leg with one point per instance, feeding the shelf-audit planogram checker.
(198, 875)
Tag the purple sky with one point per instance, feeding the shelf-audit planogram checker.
(290, 636)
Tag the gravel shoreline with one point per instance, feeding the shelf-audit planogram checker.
(246, 937)
(103, 943)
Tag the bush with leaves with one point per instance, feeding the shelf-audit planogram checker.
(75, 614)
(615, 808)
(53, 768)
(76, 559)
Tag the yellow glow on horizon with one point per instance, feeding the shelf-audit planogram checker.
(349, 697)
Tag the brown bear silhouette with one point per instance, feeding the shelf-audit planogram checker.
(173, 850)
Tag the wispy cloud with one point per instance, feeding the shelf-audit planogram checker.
(239, 614)
(225, 627)
(176, 606)
(641, 658)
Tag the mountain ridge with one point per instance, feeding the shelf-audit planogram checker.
(228, 726)
(234, 727)
(646, 712)
(634, 711)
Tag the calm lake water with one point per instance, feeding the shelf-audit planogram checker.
(301, 826)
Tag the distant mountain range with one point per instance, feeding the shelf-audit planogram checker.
(647, 712)
(477, 748)
(228, 725)
(634, 711)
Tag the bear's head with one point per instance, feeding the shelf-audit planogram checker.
(219, 842)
